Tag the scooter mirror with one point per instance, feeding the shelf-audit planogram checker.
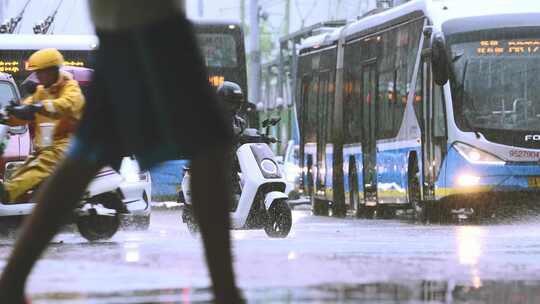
(17, 130)
(251, 107)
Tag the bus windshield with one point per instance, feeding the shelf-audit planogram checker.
(222, 48)
(219, 50)
(496, 81)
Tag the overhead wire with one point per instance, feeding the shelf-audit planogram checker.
(19, 18)
(54, 16)
(73, 9)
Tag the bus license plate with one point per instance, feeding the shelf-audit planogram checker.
(534, 182)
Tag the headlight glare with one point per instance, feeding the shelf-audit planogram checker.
(468, 180)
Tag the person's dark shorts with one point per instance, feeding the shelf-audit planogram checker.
(150, 98)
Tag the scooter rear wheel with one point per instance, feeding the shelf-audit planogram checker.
(279, 221)
(189, 219)
(96, 227)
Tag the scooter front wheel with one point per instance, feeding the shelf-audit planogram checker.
(95, 227)
(279, 220)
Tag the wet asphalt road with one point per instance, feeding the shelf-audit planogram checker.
(324, 260)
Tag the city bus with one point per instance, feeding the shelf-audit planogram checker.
(221, 42)
(430, 106)
(223, 49)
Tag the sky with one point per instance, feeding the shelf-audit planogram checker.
(72, 17)
(306, 11)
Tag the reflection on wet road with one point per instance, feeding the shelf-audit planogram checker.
(517, 292)
(325, 260)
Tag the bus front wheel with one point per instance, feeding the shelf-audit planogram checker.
(420, 211)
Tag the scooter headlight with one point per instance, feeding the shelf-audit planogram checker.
(269, 167)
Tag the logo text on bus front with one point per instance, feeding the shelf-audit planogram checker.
(532, 137)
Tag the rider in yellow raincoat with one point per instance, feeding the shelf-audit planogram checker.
(57, 106)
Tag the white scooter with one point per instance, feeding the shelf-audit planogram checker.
(97, 216)
(260, 200)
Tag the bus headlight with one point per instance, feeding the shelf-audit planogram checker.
(477, 156)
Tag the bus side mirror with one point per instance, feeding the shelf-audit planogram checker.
(439, 59)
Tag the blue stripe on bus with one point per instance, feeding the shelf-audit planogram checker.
(392, 172)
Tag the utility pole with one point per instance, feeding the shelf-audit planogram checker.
(254, 74)
(281, 63)
(243, 13)
(201, 8)
(384, 3)
(2, 7)
(338, 8)
(287, 22)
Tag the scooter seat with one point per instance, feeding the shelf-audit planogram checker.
(16, 209)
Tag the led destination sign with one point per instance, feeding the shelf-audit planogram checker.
(512, 47)
(10, 66)
(15, 66)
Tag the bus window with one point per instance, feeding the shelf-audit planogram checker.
(306, 89)
(312, 111)
(439, 117)
(419, 95)
(348, 105)
(386, 99)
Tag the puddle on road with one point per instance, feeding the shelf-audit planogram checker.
(516, 292)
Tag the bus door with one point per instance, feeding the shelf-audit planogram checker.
(369, 126)
(434, 135)
(322, 113)
(305, 162)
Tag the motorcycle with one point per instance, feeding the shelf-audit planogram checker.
(259, 200)
(97, 216)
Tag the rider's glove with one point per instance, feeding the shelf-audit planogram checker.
(25, 112)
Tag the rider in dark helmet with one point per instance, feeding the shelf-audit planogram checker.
(233, 97)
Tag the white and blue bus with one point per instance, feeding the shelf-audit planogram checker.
(431, 105)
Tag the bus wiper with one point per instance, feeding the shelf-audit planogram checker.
(457, 57)
(469, 126)
(463, 78)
